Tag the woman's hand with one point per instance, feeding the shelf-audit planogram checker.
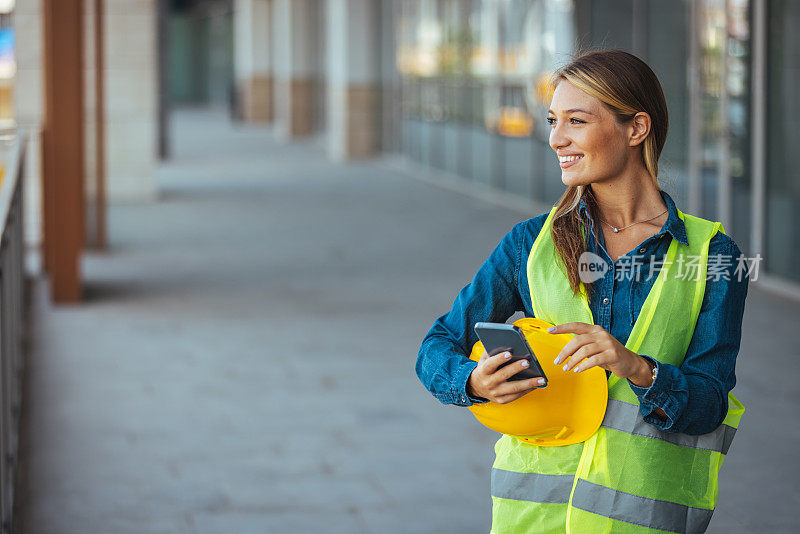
(490, 382)
(595, 347)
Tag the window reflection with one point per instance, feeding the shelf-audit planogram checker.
(667, 24)
(738, 127)
(782, 235)
(474, 81)
(475, 75)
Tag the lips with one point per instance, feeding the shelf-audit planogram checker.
(568, 160)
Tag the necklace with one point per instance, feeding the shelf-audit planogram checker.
(637, 222)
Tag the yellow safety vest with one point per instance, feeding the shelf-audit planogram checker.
(629, 477)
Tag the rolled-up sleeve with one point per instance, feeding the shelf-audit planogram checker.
(694, 396)
(442, 365)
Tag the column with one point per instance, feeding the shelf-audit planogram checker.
(63, 147)
(131, 74)
(29, 108)
(353, 78)
(252, 63)
(293, 30)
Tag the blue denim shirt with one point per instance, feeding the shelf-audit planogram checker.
(693, 396)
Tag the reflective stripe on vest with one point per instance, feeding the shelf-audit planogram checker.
(629, 476)
(634, 509)
(626, 417)
(640, 511)
(534, 487)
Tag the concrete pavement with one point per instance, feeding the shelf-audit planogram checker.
(244, 360)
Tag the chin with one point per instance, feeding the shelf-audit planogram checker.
(571, 179)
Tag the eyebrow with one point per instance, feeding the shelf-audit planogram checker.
(573, 110)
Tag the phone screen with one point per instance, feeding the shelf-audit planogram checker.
(500, 337)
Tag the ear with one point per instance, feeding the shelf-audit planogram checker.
(640, 128)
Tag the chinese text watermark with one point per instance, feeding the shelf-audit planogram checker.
(592, 267)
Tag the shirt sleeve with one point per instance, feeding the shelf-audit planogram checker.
(443, 366)
(694, 396)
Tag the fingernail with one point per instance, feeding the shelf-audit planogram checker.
(540, 381)
(557, 360)
(566, 367)
(551, 329)
(525, 363)
(506, 355)
(576, 369)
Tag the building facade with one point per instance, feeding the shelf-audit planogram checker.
(460, 87)
(473, 83)
(463, 91)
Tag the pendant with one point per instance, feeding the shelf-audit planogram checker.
(615, 229)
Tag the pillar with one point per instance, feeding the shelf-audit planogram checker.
(94, 123)
(29, 110)
(252, 63)
(131, 112)
(353, 78)
(293, 29)
(63, 147)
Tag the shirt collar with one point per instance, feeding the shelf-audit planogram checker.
(674, 225)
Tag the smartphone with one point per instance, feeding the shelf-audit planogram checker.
(500, 337)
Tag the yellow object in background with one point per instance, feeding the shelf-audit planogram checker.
(514, 122)
(569, 410)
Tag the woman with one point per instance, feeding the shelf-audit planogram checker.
(668, 338)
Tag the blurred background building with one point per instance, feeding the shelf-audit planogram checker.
(458, 86)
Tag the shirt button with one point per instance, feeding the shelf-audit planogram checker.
(641, 250)
(606, 301)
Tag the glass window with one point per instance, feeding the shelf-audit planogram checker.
(722, 96)
(712, 42)
(737, 86)
(474, 77)
(535, 38)
(480, 140)
(456, 43)
(472, 73)
(782, 225)
(612, 24)
(410, 93)
(483, 31)
(509, 114)
(665, 23)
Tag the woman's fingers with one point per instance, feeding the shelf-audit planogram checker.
(495, 380)
(511, 369)
(492, 363)
(584, 352)
(517, 387)
(571, 328)
(598, 359)
(569, 349)
(505, 399)
(482, 379)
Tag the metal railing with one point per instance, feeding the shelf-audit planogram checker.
(12, 315)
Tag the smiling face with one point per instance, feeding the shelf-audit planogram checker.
(591, 145)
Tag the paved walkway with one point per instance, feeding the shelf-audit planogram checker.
(244, 362)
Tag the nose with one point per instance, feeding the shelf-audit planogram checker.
(557, 138)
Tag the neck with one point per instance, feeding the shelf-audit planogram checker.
(628, 198)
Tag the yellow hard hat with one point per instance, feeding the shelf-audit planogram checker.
(568, 410)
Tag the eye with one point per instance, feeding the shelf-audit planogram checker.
(577, 121)
(551, 120)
